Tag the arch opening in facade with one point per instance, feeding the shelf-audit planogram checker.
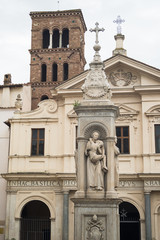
(129, 222)
(35, 221)
(44, 97)
(54, 72)
(45, 38)
(43, 73)
(55, 38)
(65, 38)
(65, 71)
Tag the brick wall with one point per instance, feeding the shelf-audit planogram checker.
(73, 55)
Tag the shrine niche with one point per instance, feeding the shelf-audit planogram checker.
(121, 78)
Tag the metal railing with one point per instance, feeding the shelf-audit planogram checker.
(35, 229)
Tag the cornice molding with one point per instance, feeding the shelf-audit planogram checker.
(74, 12)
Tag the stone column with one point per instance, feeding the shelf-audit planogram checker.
(50, 39)
(148, 215)
(81, 165)
(60, 39)
(111, 167)
(65, 215)
(59, 214)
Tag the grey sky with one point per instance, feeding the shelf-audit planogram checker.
(141, 30)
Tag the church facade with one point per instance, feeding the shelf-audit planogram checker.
(41, 176)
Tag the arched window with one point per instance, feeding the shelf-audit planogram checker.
(45, 38)
(55, 38)
(44, 97)
(35, 221)
(43, 73)
(65, 38)
(54, 72)
(65, 71)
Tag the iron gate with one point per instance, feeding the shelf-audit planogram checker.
(35, 229)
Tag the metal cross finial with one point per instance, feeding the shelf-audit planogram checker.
(119, 21)
(96, 30)
(58, 5)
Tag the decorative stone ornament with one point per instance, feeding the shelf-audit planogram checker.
(121, 78)
(18, 102)
(95, 229)
(96, 86)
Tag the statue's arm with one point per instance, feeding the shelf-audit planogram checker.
(87, 148)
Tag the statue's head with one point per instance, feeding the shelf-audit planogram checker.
(95, 135)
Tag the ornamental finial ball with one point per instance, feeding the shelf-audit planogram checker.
(96, 47)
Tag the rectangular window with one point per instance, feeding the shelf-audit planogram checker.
(37, 147)
(123, 139)
(157, 138)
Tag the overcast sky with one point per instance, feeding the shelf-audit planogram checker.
(141, 29)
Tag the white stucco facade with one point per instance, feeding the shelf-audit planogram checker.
(135, 90)
(8, 94)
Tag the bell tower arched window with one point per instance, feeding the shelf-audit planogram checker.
(55, 38)
(44, 97)
(43, 73)
(54, 72)
(65, 38)
(65, 71)
(45, 38)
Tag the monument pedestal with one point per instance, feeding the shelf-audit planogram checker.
(96, 202)
(96, 219)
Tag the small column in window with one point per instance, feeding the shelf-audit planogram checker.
(50, 39)
(60, 39)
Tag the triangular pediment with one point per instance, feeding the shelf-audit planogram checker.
(125, 110)
(121, 71)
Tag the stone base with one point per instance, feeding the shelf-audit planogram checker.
(96, 219)
(96, 194)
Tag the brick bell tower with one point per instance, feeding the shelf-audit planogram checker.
(57, 50)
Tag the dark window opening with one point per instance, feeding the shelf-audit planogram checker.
(54, 72)
(43, 73)
(129, 222)
(46, 38)
(44, 97)
(122, 134)
(65, 71)
(76, 137)
(65, 38)
(157, 138)
(35, 221)
(37, 147)
(55, 38)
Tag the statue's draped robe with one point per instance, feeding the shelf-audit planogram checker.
(94, 165)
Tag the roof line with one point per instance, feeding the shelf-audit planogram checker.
(132, 60)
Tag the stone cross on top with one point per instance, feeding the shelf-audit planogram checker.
(119, 21)
(96, 30)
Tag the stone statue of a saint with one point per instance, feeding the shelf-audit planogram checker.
(116, 153)
(96, 162)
